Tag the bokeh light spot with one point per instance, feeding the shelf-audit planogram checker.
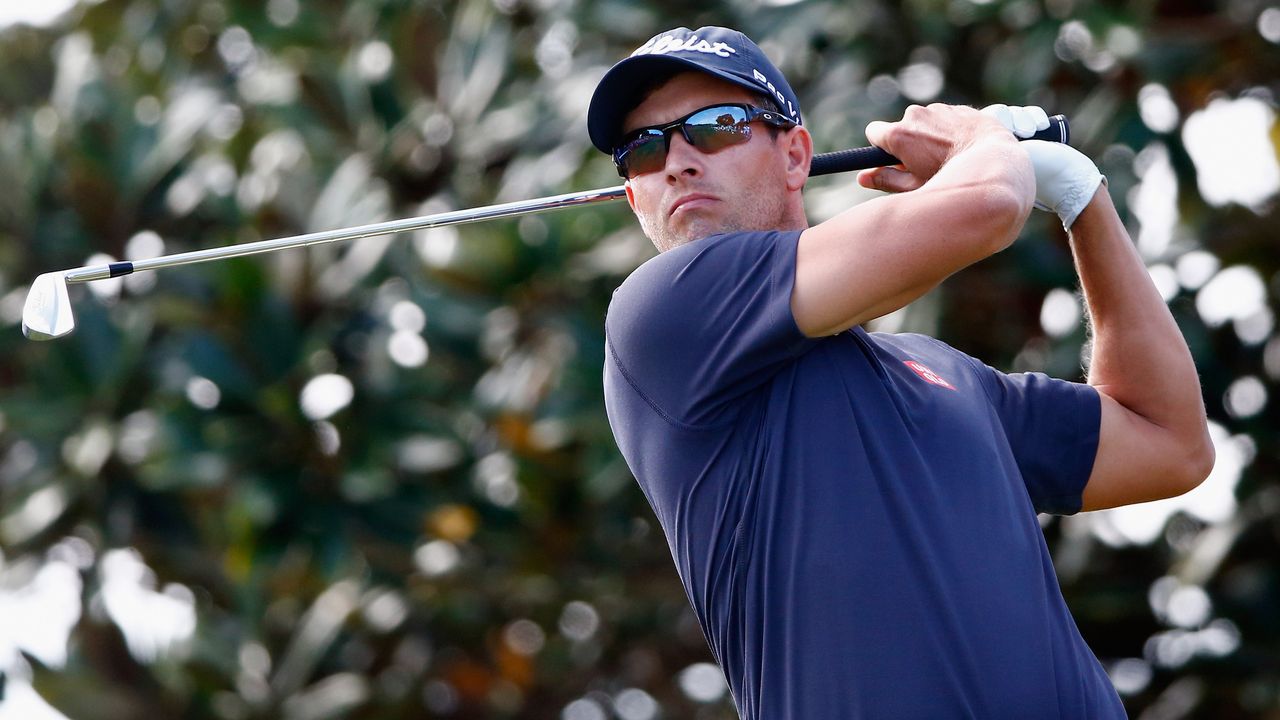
(154, 624)
(1130, 675)
(1060, 313)
(579, 621)
(437, 557)
(495, 479)
(203, 393)
(408, 316)
(921, 82)
(1230, 143)
(524, 637)
(1157, 108)
(374, 61)
(1196, 267)
(702, 682)
(1245, 397)
(407, 349)
(440, 697)
(1234, 293)
(1269, 24)
(325, 395)
(1154, 201)
(635, 704)
(583, 709)
(328, 439)
(426, 453)
(453, 522)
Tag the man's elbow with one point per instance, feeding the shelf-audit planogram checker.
(1194, 464)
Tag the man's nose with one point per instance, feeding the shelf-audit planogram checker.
(682, 158)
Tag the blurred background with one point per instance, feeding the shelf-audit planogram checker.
(375, 480)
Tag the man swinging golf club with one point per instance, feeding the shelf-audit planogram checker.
(853, 515)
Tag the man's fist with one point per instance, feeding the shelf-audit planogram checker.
(925, 139)
(1065, 179)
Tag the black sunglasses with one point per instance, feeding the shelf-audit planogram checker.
(708, 129)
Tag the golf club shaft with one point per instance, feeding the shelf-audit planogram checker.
(824, 164)
(454, 217)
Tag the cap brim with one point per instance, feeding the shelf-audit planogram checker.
(618, 92)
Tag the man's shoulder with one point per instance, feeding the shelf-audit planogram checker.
(719, 242)
(709, 260)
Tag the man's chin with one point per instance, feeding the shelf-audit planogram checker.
(699, 229)
(676, 240)
(694, 229)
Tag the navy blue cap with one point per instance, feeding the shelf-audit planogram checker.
(724, 53)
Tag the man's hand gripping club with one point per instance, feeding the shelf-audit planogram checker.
(1066, 180)
(928, 138)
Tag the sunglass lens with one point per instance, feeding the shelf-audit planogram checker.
(717, 128)
(645, 152)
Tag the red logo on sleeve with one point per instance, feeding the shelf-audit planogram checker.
(928, 375)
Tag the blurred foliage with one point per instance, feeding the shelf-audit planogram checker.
(381, 472)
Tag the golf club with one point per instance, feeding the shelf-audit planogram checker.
(47, 312)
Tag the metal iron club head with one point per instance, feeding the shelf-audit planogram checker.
(47, 313)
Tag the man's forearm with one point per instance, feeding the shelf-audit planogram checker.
(1139, 356)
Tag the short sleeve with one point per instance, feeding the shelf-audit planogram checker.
(1052, 427)
(699, 327)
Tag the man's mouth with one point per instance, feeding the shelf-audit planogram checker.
(691, 201)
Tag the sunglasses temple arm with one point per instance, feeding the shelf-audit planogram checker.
(871, 157)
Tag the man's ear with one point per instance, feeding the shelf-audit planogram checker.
(631, 196)
(799, 149)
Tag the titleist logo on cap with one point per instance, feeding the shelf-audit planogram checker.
(671, 43)
(791, 109)
(666, 44)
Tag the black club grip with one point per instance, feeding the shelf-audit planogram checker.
(871, 157)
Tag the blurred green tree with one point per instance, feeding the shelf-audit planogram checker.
(375, 480)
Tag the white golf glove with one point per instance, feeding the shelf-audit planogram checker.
(1065, 178)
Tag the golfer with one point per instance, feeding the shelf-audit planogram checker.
(853, 514)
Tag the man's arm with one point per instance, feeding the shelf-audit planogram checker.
(1153, 440)
(966, 189)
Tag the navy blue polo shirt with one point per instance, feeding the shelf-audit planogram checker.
(853, 517)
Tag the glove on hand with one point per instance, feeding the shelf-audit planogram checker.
(1065, 178)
